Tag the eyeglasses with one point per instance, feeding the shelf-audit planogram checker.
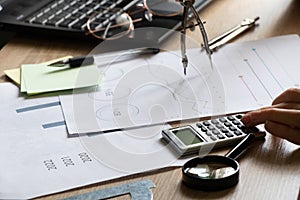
(111, 24)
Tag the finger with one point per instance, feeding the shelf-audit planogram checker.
(290, 95)
(287, 117)
(294, 106)
(286, 105)
(283, 131)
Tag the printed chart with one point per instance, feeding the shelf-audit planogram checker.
(35, 148)
(153, 89)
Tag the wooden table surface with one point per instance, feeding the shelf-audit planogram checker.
(268, 171)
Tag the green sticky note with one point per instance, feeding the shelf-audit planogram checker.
(15, 74)
(40, 78)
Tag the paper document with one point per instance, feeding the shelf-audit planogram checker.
(152, 89)
(37, 157)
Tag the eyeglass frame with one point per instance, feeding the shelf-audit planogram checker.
(130, 21)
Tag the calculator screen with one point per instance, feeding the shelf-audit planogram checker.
(187, 136)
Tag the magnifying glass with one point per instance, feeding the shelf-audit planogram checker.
(214, 172)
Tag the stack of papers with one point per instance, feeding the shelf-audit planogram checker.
(136, 92)
(43, 160)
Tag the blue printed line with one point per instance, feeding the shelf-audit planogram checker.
(41, 106)
(263, 62)
(54, 124)
(253, 71)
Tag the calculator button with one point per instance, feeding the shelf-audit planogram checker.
(203, 129)
(236, 122)
(241, 126)
(224, 130)
(214, 121)
(210, 127)
(206, 123)
(216, 132)
(219, 126)
(199, 125)
(222, 120)
(227, 124)
(237, 133)
(229, 134)
(208, 133)
(220, 136)
(231, 118)
(239, 116)
(213, 138)
(232, 128)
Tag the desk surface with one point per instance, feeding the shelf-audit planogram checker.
(269, 171)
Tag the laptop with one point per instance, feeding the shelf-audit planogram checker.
(68, 18)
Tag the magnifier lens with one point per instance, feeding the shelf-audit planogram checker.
(211, 170)
(211, 173)
(215, 172)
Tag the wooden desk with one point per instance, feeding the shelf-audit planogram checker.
(268, 171)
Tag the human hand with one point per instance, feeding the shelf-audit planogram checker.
(282, 119)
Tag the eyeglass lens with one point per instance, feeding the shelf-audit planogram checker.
(158, 7)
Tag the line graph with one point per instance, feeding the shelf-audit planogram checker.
(54, 124)
(37, 107)
(257, 69)
(267, 68)
(31, 108)
(257, 77)
(247, 86)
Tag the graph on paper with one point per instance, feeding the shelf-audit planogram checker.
(42, 109)
(152, 90)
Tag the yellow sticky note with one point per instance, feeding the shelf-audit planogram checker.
(39, 78)
(15, 74)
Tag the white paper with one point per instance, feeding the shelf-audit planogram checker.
(37, 157)
(153, 89)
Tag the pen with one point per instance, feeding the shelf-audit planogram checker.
(88, 60)
(245, 25)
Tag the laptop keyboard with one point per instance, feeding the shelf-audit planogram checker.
(73, 14)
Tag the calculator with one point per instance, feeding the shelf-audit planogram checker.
(208, 134)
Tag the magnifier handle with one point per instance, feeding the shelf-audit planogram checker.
(241, 147)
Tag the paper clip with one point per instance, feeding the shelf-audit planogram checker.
(217, 42)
